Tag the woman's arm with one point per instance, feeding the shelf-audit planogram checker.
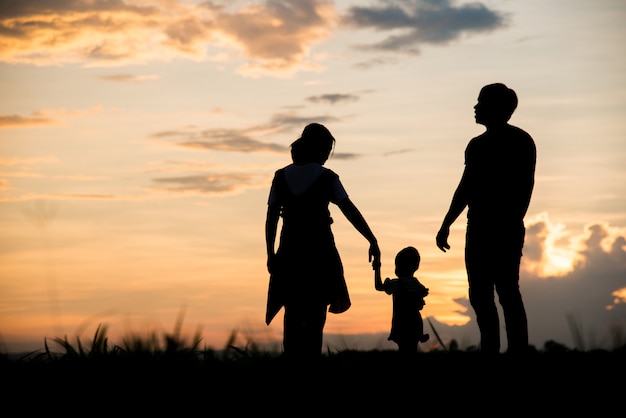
(358, 221)
(271, 225)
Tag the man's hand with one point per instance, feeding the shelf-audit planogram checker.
(271, 263)
(442, 239)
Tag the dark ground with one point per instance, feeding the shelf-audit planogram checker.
(347, 383)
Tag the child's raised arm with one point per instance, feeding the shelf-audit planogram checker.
(378, 281)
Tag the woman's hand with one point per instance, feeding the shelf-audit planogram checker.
(374, 253)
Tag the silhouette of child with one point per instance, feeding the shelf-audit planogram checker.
(407, 327)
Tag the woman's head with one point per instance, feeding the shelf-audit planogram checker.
(314, 145)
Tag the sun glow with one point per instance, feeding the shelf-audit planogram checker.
(549, 249)
(558, 261)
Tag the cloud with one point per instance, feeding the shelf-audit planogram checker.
(177, 166)
(588, 299)
(273, 36)
(212, 184)
(17, 121)
(51, 33)
(246, 139)
(243, 139)
(239, 144)
(85, 196)
(399, 151)
(422, 22)
(277, 35)
(587, 293)
(333, 98)
(26, 161)
(269, 37)
(128, 78)
(233, 140)
(195, 178)
(290, 121)
(375, 62)
(345, 156)
(44, 117)
(81, 177)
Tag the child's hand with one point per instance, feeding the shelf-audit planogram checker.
(375, 264)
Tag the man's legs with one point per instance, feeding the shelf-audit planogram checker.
(510, 297)
(480, 275)
(492, 258)
(481, 296)
(515, 318)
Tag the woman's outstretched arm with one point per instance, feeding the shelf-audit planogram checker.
(358, 221)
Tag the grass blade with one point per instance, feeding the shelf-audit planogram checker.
(436, 333)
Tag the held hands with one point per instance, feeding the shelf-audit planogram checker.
(374, 253)
(378, 282)
(442, 239)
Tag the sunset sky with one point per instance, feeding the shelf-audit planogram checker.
(138, 140)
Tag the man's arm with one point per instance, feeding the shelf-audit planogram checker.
(457, 206)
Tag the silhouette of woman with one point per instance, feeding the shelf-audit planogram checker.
(306, 272)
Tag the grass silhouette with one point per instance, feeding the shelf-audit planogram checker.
(173, 345)
(170, 375)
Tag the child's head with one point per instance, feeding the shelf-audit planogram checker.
(314, 145)
(407, 261)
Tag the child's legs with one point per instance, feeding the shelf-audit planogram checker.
(407, 348)
(420, 326)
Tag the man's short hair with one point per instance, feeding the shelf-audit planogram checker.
(505, 97)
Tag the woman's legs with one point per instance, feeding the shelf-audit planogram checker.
(303, 329)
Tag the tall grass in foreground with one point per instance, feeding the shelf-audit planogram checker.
(167, 347)
(174, 347)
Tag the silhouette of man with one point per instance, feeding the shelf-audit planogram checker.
(496, 187)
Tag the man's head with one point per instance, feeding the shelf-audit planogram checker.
(407, 261)
(496, 103)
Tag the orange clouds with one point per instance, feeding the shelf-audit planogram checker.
(214, 184)
(273, 36)
(550, 251)
(17, 121)
(278, 36)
